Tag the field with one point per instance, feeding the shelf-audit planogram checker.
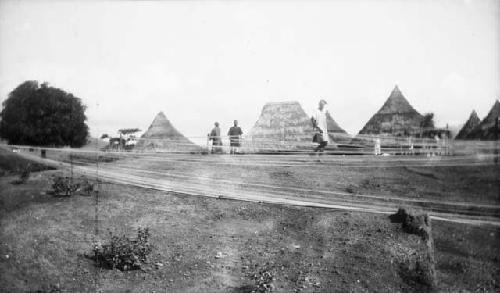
(205, 241)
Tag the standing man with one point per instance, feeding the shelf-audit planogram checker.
(319, 123)
(234, 138)
(216, 139)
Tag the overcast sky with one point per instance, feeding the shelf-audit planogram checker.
(201, 62)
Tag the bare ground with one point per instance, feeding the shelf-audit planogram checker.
(218, 245)
(463, 189)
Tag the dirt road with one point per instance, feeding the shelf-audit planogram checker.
(295, 180)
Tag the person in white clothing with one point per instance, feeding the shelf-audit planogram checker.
(319, 123)
(377, 146)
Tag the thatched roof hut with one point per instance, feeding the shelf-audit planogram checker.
(282, 121)
(332, 125)
(283, 125)
(471, 123)
(396, 117)
(161, 135)
(487, 129)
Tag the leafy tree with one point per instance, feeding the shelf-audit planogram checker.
(128, 130)
(43, 116)
(427, 121)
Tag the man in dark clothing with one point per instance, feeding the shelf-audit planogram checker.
(215, 138)
(234, 138)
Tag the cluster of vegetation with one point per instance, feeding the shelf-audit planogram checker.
(49, 289)
(427, 121)
(85, 159)
(64, 186)
(67, 186)
(263, 280)
(24, 174)
(124, 253)
(41, 115)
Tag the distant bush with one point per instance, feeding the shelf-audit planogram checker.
(86, 159)
(24, 174)
(124, 253)
(50, 289)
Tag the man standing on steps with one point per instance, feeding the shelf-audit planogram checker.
(234, 138)
(320, 124)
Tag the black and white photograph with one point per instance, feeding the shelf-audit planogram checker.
(249, 146)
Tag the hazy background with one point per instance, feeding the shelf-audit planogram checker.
(201, 62)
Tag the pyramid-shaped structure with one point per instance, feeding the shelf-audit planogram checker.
(332, 125)
(161, 134)
(471, 123)
(486, 130)
(396, 117)
(286, 125)
(282, 119)
(281, 125)
(337, 134)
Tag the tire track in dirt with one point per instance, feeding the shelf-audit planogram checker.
(384, 198)
(122, 176)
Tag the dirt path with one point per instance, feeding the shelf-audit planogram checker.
(204, 182)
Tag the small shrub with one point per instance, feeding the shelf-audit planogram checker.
(413, 222)
(124, 253)
(64, 186)
(24, 174)
(49, 289)
(87, 187)
(264, 281)
(351, 189)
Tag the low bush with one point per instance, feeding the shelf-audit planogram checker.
(24, 174)
(87, 187)
(263, 280)
(124, 253)
(48, 289)
(64, 186)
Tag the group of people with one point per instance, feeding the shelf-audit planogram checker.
(319, 123)
(234, 134)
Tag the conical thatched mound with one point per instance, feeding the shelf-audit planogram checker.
(336, 133)
(396, 117)
(471, 123)
(281, 125)
(161, 134)
(282, 119)
(487, 128)
(332, 125)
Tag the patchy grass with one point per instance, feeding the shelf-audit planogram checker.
(215, 245)
(11, 163)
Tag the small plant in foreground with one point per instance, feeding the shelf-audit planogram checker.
(264, 281)
(124, 253)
